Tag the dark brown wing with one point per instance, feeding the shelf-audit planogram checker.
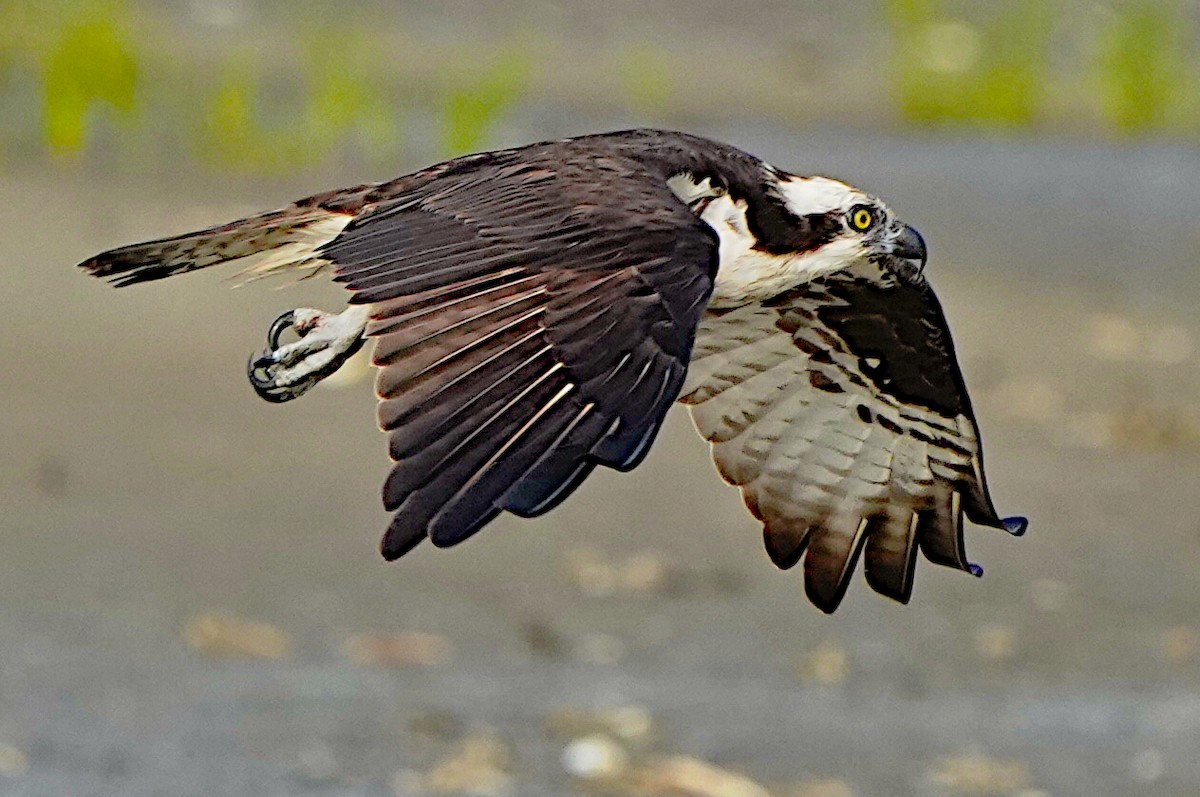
(526, 331)
(841, 413)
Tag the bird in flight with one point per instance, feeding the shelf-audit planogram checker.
(536, 311)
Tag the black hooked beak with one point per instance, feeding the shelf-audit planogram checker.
(909, 245)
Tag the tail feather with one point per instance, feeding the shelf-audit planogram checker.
(267, 243)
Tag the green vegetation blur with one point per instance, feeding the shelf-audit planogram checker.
(1136, 64)
(78, 77)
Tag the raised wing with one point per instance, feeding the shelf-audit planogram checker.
(525, 331)
(840, 412)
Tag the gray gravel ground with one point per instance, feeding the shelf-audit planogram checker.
(143, 486)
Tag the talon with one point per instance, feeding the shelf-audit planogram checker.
(257, 369)
(278, 327)
(1016, 525)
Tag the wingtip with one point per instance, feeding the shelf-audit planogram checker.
(829, 564)
(785, 546)
(97, 266)
(824, 593)
(828, 604)
(901, 595)
(399, 540)
(899, 592)
(1016, 525)
(116, 273)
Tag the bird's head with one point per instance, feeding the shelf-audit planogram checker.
(842, 226)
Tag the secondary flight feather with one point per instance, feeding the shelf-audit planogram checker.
(537, 311)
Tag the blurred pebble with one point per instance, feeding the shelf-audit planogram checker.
(646, 575)
(996, 642)
(1116, 338)
(1139, 425)
(1148, 766)
(543, 640)
(591, 572)
(597, 576)
(1144, 425)
(1048, 594)
(592, 757)
(979, 774)
(631, 723)
(1112, 337)
(1179, 644)
(642, 573)
(13, 761)
(224, 636)
(827, 665)
(477, 768)
(822, 787)
(413, 649)
(683, 776)
(597, 648)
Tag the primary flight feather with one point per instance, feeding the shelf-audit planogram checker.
(536, 311)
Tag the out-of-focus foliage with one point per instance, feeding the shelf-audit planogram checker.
(92, 65)
(1143, 66)
(646, 74)
(9, 22)
(348, 97)
(471, 109)
(342, 99)
(85, 61)
(240, 86)
(993, 70)
(947, 70)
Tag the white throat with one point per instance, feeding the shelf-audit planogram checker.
(746, 274)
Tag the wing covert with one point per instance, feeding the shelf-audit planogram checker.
(524, 330)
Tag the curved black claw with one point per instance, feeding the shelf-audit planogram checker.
(264, 384)
(278, 327)
(258, 369)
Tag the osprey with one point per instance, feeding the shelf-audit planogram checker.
(536, 311)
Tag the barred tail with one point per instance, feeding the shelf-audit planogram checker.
(267, 243)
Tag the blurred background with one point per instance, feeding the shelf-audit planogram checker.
(191, 599)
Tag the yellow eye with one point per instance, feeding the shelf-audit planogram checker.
(861, 218)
